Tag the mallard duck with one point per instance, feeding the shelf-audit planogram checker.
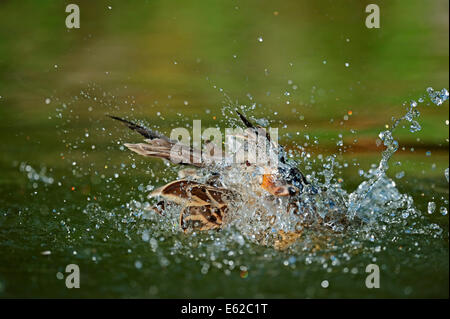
(205, 202)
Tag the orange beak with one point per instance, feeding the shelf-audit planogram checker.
(269, 184)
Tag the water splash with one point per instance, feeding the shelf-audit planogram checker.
(375, 209)
(35, 176)
(438, 97)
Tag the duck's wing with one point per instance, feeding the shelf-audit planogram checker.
(254, 129)
(201, 218)
(257, 134)
(192, 193)
(204, 206)
(145, 132)
(160, 146)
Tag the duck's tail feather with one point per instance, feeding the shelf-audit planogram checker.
(160, 146)
(147, 133)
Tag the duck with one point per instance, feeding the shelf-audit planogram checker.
(206, 203)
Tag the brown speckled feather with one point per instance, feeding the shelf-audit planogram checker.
(204, 206)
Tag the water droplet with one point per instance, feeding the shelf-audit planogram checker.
(138, 264)
(431, 207)
(400, 175)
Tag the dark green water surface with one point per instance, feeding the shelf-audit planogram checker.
(169, 62)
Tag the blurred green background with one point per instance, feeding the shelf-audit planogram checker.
(305, 64)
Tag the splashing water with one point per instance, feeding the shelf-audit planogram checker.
(438, 97)
(376, 208)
